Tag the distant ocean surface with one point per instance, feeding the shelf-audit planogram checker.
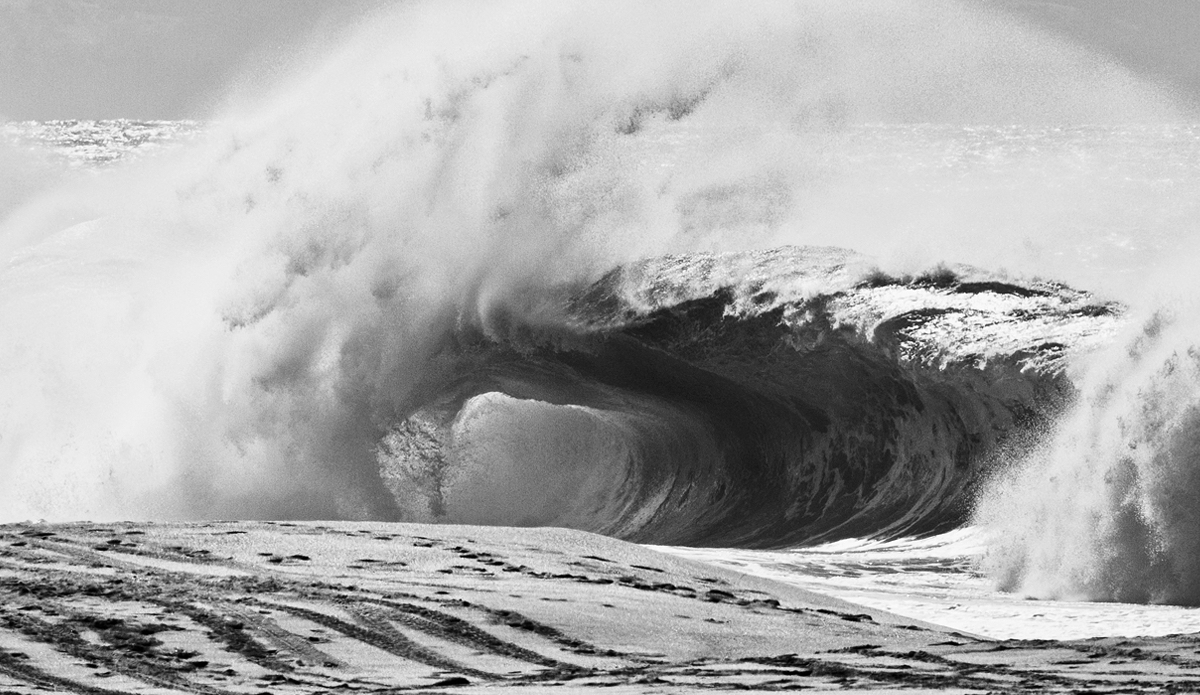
(96, 144)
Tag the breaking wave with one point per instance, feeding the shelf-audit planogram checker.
(661, 409)
(413, 283)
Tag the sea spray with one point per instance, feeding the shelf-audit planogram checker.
(1109, 507)
(24, 172)
(235, 329)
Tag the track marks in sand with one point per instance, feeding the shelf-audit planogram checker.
(374, 630)
(453, 629)
(227, 625)
(18, 667)
(202, 609)
(117, 648)
(89, 595)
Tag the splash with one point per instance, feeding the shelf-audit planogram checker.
(235, 329)
(1107, 508)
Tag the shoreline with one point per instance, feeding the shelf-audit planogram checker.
(308, 607)
(939, 579)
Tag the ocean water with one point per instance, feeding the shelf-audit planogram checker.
(939, 579)
(790, 293)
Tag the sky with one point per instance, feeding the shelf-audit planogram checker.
(171, 59)
(151, 59)
(1156, 39)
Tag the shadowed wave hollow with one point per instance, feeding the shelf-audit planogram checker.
(718, 400)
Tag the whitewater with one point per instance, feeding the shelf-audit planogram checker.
(904, 317)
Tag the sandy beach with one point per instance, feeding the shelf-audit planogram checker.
(273, 607)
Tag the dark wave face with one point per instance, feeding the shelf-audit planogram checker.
(662, 410)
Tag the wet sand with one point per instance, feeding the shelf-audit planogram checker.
(270, 607)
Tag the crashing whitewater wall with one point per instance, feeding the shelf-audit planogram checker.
(1108, 507)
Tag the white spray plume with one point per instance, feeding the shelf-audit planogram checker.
(1109, 508)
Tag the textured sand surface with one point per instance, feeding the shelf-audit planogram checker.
(254, 607)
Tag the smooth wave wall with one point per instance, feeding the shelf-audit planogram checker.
(233, 330)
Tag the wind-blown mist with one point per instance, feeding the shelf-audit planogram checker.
(236, 330)
(22, 175)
